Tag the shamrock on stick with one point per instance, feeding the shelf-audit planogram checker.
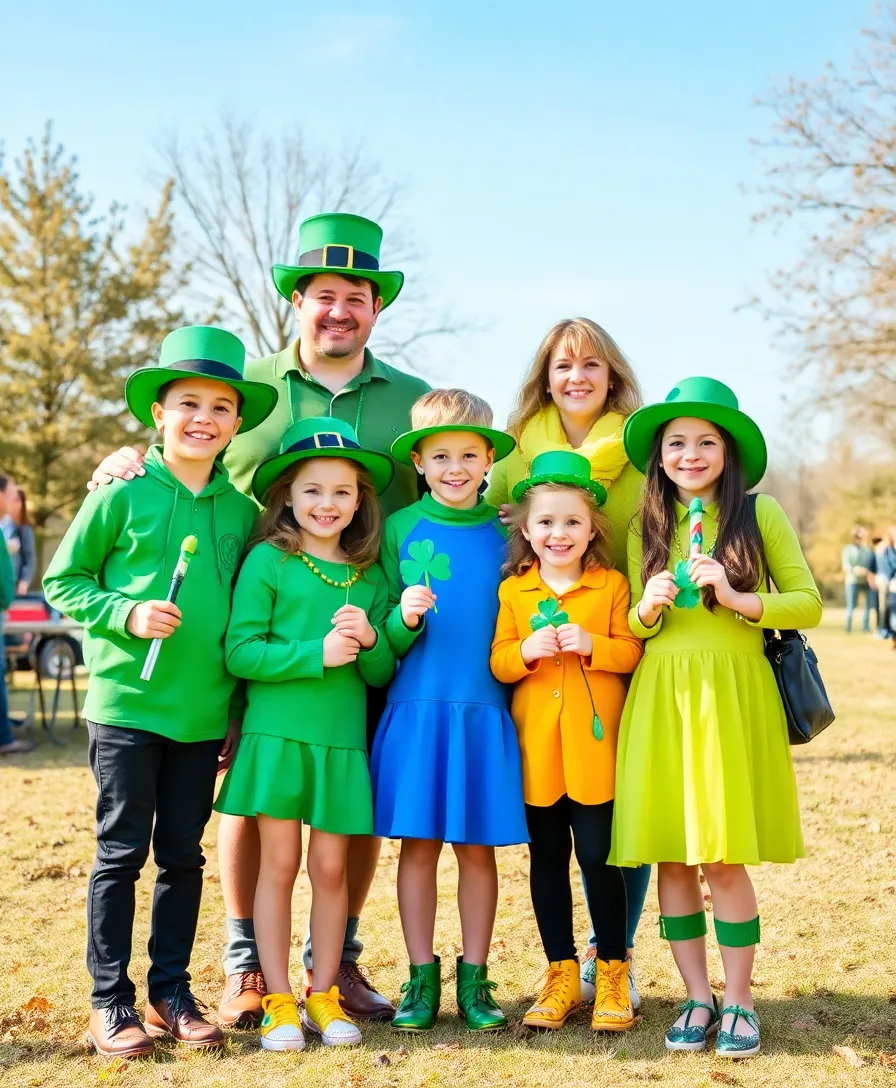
(424, 564)
(548, 613)
(688, 595)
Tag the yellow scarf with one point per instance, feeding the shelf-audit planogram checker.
(603, 447)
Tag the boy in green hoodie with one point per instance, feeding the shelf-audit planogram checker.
(154, 745)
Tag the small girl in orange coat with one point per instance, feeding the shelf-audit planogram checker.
(563, 640)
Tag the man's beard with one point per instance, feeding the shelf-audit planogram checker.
(337, 351)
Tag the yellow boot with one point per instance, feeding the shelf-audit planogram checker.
(560, 996)
(612, 1002)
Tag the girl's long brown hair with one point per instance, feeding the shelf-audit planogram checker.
(360, 539)
(520, 554)
(738, 546)
(579, 337)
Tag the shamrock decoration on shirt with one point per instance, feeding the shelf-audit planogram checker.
(688, 595)
(549, 614)
(424, 564)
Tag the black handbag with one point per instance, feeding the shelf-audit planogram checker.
(795, 666)
(793, 661)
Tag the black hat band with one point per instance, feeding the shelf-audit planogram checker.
(207, 367)
(326, 440)
(339, 257)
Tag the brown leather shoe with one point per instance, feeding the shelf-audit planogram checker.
(241, 1000)
(116, 1032)
(180, 1016)
(359, 997)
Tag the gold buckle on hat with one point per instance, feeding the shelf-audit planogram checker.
(328, 434)
(350, 263)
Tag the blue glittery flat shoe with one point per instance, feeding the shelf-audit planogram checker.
(730, 1044)
(693, 1036)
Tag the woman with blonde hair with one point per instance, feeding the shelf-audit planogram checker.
(576, 397)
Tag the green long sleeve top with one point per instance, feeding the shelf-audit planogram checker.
(282, 612)
(122, 548)
(7, 577)
(623, 497)
(797, 604)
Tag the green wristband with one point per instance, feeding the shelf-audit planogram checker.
(737, 934)
(683, 927)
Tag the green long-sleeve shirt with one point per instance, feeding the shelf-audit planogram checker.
(796, 605)
(282, 612)
(7, 577)
(122, 548)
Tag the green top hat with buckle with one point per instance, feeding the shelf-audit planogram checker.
(561, 467)
(200, 351)
(344, 244)
(698, 398)
(321, 436)
(499, 441)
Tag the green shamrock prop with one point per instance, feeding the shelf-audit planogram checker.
(688, 595)
(548, 614)
(424, 564)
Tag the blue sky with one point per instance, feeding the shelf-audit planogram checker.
(557, 159)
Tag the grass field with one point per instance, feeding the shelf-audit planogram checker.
(825, 974)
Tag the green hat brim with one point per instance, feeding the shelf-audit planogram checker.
(141, 392)
(641, 427)
(596, 488)
(378, 465)
(501, 442)
(287, 275)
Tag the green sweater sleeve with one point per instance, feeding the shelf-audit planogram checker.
(251, 651)
(401, 637)
(7, 576)
(72, 582)
(635, 559)
(377, 664)
(797, 602)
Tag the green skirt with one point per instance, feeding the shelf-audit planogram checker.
(326, 788)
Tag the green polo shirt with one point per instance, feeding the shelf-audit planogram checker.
(377, 403)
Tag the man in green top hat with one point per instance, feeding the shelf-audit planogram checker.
(337, 290)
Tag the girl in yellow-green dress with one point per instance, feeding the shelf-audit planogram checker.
(704, 774)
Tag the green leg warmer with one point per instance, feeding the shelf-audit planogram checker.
(737, 934)
(683, 927)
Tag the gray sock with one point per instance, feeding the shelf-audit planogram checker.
(240, 952)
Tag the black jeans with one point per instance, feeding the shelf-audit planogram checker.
(551, 831)
(150, 789)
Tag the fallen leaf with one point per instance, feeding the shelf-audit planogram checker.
(382, 1059)
(723, 1078)
(888, 1061)
(849, 1056)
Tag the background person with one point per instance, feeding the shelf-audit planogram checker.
(858, 564)
(19, 533)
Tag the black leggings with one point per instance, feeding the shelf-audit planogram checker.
(550, 850)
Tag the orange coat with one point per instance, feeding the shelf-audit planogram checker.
(551, 708)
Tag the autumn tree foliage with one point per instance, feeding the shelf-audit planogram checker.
(84, 300)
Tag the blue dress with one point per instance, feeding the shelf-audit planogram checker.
(446, 762)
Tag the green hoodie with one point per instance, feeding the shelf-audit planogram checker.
(122, 548)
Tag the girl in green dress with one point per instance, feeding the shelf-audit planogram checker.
(306, 634)
(704, 774)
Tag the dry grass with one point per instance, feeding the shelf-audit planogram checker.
(824, 977)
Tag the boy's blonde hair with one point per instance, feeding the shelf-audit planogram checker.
(450, 407)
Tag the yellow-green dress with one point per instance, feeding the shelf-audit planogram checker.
(703, 765)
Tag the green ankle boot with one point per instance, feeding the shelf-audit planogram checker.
(474, 999)
(422, 994)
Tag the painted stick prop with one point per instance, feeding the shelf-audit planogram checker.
(187, 548)
(549, 614)
(689, 594)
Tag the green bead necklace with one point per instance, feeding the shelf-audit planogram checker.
(347, 584)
